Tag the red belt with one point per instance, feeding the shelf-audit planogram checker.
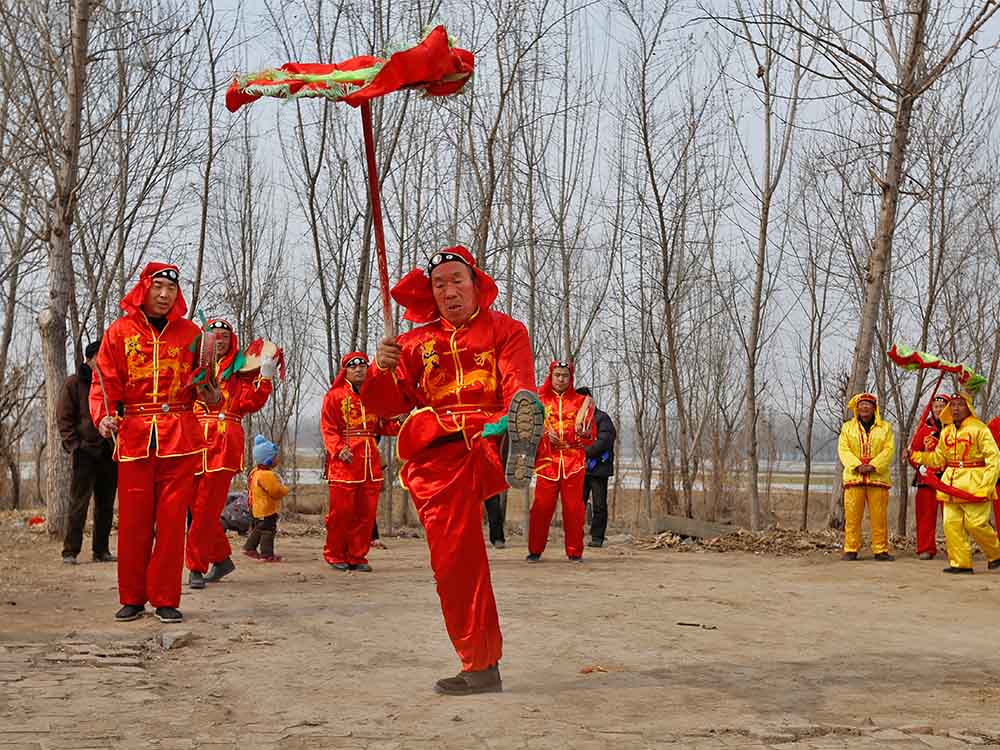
(355, 434)
(966, 464)
(222, 416)
(152, 408)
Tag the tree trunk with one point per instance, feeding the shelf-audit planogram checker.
(52, 319)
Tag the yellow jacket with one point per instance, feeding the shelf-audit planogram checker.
(265, 491)
(858, 446)
(967, 453)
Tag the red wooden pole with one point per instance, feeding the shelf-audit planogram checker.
(376, 203)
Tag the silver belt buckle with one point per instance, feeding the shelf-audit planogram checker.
(165, 408)
(961, 464)
(222, 416)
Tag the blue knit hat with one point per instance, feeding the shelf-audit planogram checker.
(264, 451)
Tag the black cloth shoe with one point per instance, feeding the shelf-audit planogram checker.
(884, 557)
(130, 612)
(70, 560)
(105, 557)
(362, 567)
(196, 580)
(220, 569)
(950, 569)
(340, 566)
(993, 564)
(169, 614)
(533, 558)
(575, 559)
(470, 683)
(849, 556)
(525, 422)
(595, 543)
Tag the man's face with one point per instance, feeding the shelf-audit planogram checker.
(454, 291)
(866, 410)
(160, 298)
(223, 340)
(959, 410)
(936, 408)
(560, 379)
(355, 374)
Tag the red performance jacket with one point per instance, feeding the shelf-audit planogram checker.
(147, 373)
(466, 375)
(924, 439)
(222, 424)
(345, 422)
(567, 455)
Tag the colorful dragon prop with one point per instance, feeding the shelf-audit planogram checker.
(434, 66)
(912, 360)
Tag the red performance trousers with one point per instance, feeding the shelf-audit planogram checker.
(153, 499)
(349, 523)
(570, 489)
(449, 483)
(206, 541)
(926, 512)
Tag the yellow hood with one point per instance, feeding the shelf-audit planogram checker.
(853, 406)
(947, 418)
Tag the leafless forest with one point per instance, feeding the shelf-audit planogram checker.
(724, 212)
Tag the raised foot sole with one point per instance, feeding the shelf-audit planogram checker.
(525, 423)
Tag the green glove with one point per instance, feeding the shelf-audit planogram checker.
(492, 429)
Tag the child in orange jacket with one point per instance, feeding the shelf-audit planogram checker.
(265, 491)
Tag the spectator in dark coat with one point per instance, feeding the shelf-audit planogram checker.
(600, 466)
(94, 471)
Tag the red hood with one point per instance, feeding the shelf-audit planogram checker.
(342, 375)
(132, 302)
(413, 292)
(226, 361)
(546, 389)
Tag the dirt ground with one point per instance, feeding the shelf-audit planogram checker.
(690, 649)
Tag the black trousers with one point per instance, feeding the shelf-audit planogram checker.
(262, 532)
(596, 490)
(93, 476)
(496, 514)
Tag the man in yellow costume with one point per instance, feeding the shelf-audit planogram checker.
(970, 459)
(866, 448)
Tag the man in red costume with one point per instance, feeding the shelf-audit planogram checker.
(222, 424)
(143, 394)
(353, 466)
(461, 371)
(562, 458)
(926, 504)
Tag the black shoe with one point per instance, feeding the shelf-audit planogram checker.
(534, 558)
(340, 566)
(471, 683)
(362, 567)
(950, 569)
(196, 580)
(576, 559)
(105, 557)
(169, 614)
(499, 544)
(884, 557)
(70, 560)
(525, 422)
(849, 556)
(993, 564)
(220, 569)
(595, 543)
(130, 612)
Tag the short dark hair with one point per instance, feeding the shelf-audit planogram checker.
(92, 348)
(584, 391)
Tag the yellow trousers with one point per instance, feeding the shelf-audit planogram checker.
(877, 499)
(962, 520)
